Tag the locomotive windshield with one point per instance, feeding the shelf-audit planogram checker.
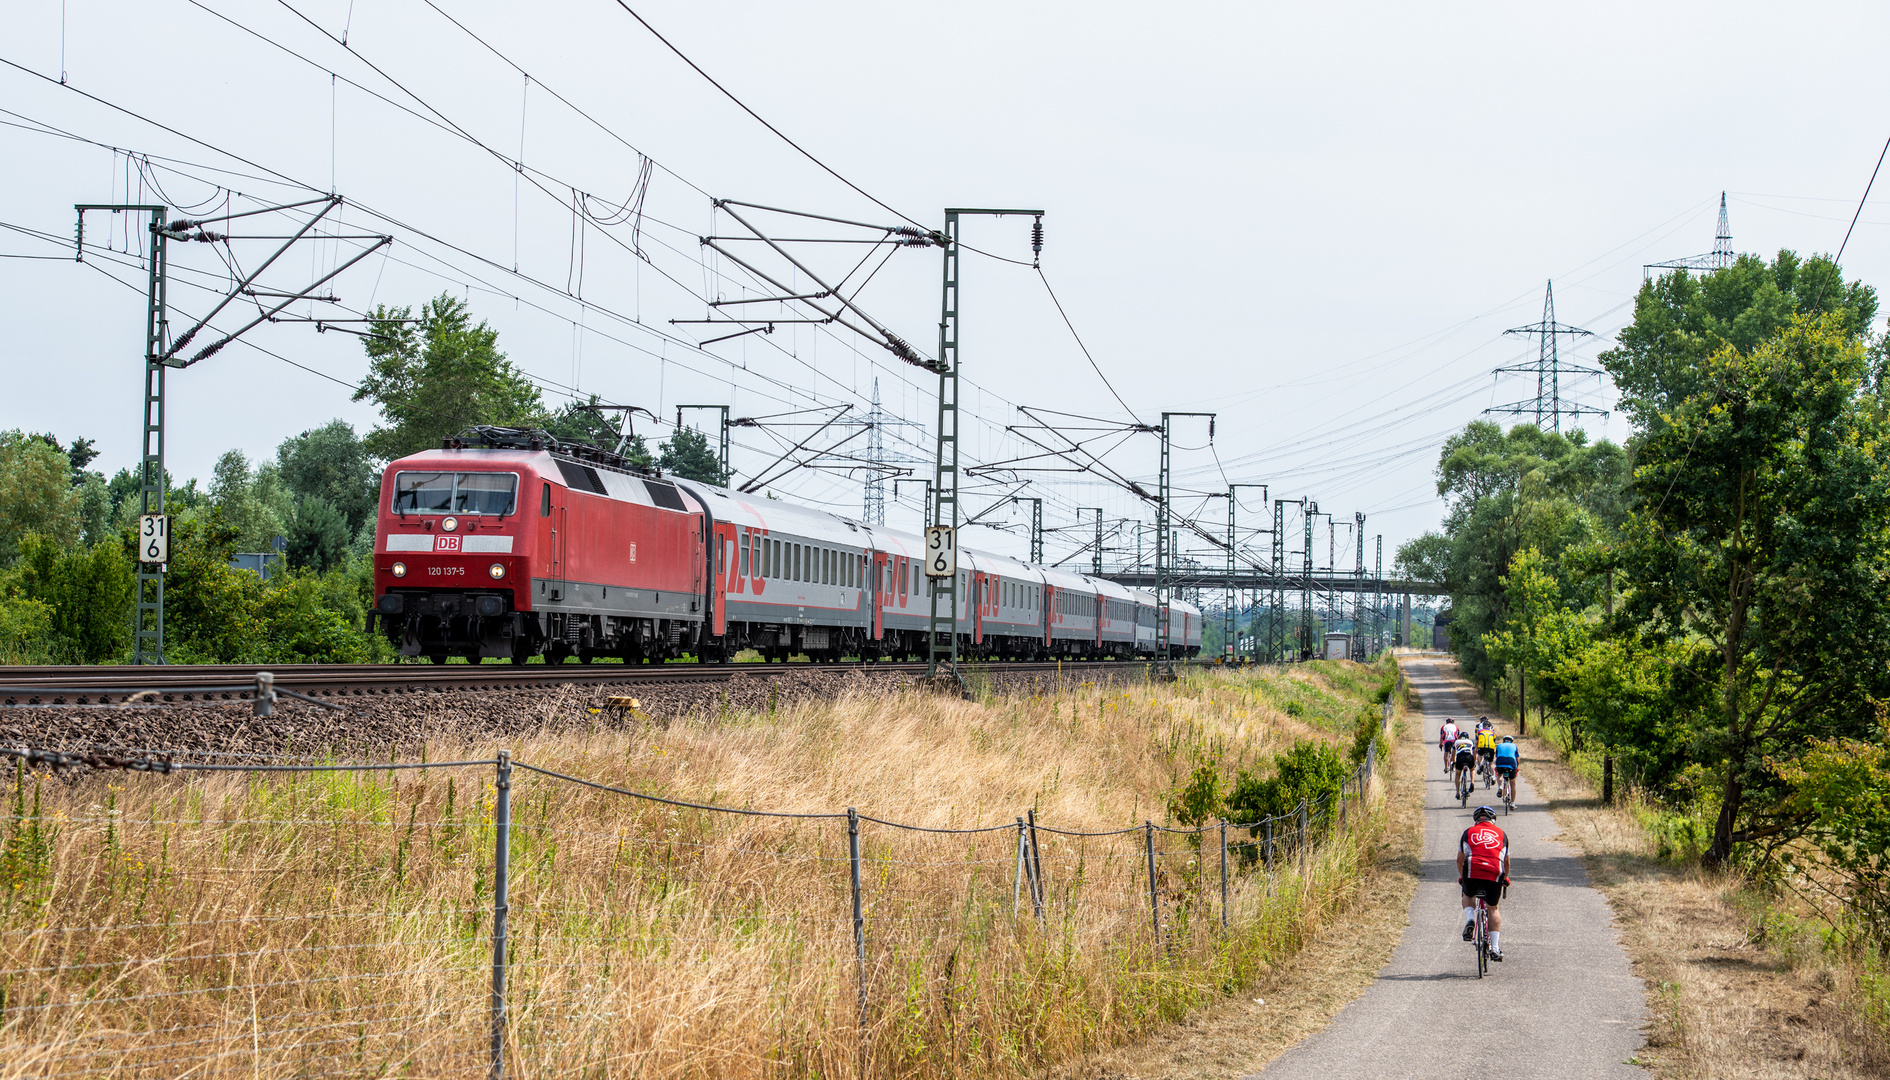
(455, 493)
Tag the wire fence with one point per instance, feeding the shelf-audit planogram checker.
(501, 917)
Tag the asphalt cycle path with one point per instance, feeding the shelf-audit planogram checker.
(1563, 1003)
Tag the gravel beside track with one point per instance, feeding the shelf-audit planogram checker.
(399, 706)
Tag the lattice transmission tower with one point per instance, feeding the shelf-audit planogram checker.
(883, 463)
(1717, 259)
(1547, 408)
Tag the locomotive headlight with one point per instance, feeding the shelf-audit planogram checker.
(449, 524)
(399, 569)
(497, 571)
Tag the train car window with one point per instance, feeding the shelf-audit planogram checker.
(721, 560)
(742, 565)
(544, 504)
(774, 558)
(826, 566)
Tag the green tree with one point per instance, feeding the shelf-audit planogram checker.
(687, 454)
(1681, 321)
(36, 493)
(1511, 491)
(331, 463)
(438, 376)
(318, 535)
(253, 504)
(95, 509)
(1758, 553)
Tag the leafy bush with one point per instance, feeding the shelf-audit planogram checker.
(87, 596)
(26, 634)
(1310, 771)
(1194, 802)
(1370, 729)
(1842, 787)
(219, 614)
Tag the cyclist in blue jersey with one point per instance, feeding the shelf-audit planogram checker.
(1508, 757)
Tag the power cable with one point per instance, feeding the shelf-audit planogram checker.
(803, 151)
(1860, 205)
(1079, 344)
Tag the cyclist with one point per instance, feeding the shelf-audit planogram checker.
(1483, 871)
(1486, 743)
(1446, 738)
(1462, 762)
(1508, 757)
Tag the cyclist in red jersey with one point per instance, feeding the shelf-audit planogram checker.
(1483, 870)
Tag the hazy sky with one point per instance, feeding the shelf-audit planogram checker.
(1316, 220)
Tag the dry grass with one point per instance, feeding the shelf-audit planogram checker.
(1731, 996)
(282, 924)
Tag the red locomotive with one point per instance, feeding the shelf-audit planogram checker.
(509, 543)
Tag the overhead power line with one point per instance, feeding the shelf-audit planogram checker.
(763, 121)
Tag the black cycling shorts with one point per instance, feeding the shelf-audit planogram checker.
(1490, 754)
(1506, 770)
(1491, 891)
(1465, 761)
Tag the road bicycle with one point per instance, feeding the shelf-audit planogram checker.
(1508, 786)
(1466, 783)
(1480, 940)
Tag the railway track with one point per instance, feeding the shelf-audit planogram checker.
(114, 684)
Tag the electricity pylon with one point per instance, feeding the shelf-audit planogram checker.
(1717, 259)
(1548, 369)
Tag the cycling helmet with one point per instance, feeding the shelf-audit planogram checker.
(1509, 738)
(1483, 813)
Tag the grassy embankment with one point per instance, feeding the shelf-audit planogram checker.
(261, 924)
(1748, 976)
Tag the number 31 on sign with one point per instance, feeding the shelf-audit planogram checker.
(941, 551)
(154, 538)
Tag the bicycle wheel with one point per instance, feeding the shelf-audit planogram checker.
(1483, 940)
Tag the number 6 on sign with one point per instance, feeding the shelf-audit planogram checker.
(941, 551)
(154, 538)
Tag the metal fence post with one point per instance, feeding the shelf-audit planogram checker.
(1302, 837)
(859, 923)
(1223, 875)
(1267, 851)
(1034, 863)
(1154, 907)
(502, 858)
(1017, 879)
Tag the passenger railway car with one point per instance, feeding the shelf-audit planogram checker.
(507, 543)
